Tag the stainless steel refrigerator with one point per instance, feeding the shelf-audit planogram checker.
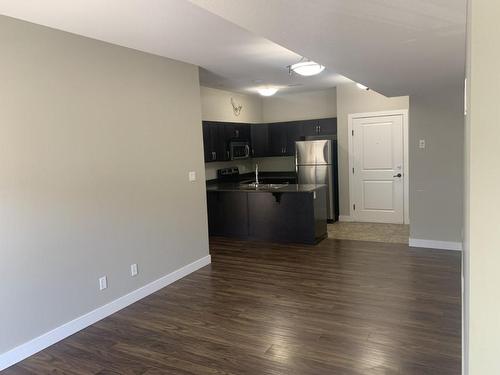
(316, 163)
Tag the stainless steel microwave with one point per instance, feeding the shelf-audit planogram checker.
(239, 150)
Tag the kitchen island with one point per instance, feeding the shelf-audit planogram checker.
(268, 212)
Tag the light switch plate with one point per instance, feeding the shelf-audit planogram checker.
(192, 176)
(133, 270)
(421, 143)
(103, 283)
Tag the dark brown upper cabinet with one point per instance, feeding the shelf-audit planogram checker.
(275, 139)
(327, 126)
(259, 135)
(214, 144)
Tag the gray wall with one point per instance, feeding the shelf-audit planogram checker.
(436, 172)
(90, 178)
(350, 100)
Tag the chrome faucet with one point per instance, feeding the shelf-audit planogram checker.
(256, 174)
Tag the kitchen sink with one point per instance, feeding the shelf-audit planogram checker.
(255, 186)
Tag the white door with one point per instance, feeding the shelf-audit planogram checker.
(377, 175)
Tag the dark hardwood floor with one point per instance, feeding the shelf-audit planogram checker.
(341, 307)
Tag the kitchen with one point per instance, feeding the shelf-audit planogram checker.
(258, 186)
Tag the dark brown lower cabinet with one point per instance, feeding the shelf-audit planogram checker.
(227, 214)
(268, 216)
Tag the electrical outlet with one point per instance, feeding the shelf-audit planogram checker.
(192, 176)
(421, 143)
(133, 270)
(103, 283)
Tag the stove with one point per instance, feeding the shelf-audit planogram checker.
(228, 174)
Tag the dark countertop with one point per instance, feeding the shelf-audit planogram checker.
(262, 175)
(236, 187)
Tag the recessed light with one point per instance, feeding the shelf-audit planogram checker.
(267, 91)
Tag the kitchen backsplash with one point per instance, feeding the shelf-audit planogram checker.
(276, 164)
(211, 168)
(273, 164)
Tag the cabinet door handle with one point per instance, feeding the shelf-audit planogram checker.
(319, 126)
(214, 155)
(228, 156)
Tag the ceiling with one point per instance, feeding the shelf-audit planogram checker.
(396, 47)
(230, 57)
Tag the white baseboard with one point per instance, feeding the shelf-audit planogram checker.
(39, 343)
(345, 218)
(431, 244)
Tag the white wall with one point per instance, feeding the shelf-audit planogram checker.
(275, 164)
(350, 99)
(244, 166)
(436, 172)
(482, 245)
(300, 106)
(291, 107)
(90, 179)
(216, 106)
(335, 102)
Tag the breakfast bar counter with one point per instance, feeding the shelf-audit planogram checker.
(269, 212)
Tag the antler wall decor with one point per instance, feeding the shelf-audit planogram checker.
(236, 108)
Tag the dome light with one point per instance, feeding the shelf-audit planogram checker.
(267, 91)
(306, 68)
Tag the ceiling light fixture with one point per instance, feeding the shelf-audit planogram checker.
(362, 87)
(306, 67)
(267, 91)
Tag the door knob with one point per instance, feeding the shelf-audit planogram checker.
(398, 175)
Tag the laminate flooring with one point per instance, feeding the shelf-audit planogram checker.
(340, 307)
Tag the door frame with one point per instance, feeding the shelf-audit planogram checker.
(406, 170)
